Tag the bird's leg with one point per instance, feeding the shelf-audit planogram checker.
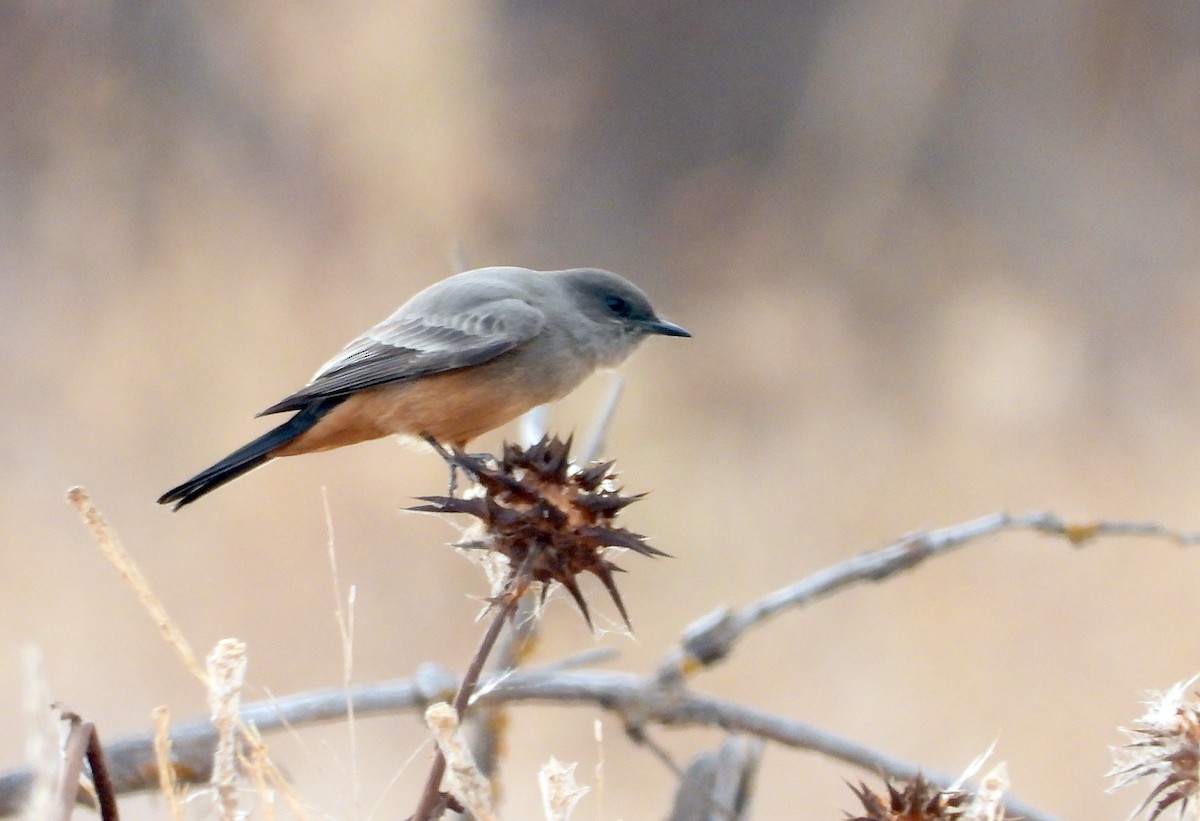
(452, 460)
(446, 455)
(454, 467)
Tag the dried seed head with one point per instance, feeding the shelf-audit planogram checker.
(922, 801)
(551, 519)
(918, 801)
(1164, 746)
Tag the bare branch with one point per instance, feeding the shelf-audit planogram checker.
(717, 784)
(633, 698)
(639, 700)
(710, 638)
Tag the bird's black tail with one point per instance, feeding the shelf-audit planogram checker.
(248, 457)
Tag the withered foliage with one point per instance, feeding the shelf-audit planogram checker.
(1164, 748)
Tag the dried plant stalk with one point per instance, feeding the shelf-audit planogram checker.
(41, 738)
(167, 786)
(112, 549)
(467, 783)
(226, 674)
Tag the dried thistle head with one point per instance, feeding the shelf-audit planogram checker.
(922, 801)
(917, 801)
(550, 518)
(1164, 746)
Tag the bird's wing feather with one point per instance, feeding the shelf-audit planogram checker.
(409, 346)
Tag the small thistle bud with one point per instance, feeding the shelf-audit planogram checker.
(551, 519)
(1164, 746)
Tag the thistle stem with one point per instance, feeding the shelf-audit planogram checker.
(433, 800)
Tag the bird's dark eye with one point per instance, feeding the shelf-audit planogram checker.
(618, 305)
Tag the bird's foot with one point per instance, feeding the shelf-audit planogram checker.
(454, 468)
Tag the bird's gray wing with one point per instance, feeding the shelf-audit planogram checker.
(407, 346)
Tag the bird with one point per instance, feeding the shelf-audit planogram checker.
(458, 359)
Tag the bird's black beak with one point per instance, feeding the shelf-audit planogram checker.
(664, 328)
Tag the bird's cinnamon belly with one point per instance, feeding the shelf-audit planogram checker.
(452, 407)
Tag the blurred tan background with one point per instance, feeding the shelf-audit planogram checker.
(939, 259)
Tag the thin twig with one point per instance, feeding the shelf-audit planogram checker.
(74, 752)
(105, 797)
(164, 765)
(432, 802)
(345, 624)
(599, 436)
(514, 646)
(37, 797)
(83, 744)
(710, 638)
(636, 732)
(110, 545)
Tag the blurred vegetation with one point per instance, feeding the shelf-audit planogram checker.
(939, 259)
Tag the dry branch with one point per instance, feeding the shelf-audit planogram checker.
(711, 638)
(83, 744)
(639, 700)
(629, 696)
(718, 784)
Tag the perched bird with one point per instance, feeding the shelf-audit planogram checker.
(460, 358)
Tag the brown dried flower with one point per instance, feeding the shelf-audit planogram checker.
(551, 518)
(922, 801)
(918, 801)
(1164, 745)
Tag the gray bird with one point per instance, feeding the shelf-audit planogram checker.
(460, 358)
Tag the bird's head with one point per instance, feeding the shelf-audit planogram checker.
(620, 313)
